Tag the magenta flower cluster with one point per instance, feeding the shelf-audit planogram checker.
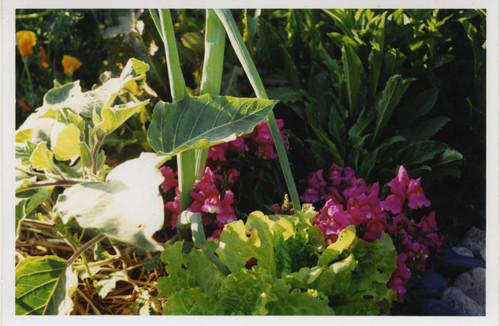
(215, 205)
(349, 201)
(211, 195)
(260, 138)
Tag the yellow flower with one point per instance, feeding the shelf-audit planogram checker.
(26, 40)
(70, 64)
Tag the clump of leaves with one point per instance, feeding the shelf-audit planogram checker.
(278, 265)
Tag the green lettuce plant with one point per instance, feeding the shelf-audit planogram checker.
(279, 265)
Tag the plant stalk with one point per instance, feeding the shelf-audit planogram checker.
(211, 79)
(248, 65)
(185, 160)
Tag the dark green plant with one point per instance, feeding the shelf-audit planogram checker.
(362, 82)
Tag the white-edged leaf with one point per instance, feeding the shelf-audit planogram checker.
(127, 207)
(111, 118)
(108, 283)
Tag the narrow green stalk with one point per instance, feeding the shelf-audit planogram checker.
(25, 61)
(86, 246)
(211, 79)
(185, 160)
(177, 83)
(241, 51)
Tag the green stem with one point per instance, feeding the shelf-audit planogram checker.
(211, 79)
(86, 246)
(62, 183)
(185, 160)
(251, 71)
(25, 61)
(177, 84)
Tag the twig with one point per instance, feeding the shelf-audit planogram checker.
(86, 246)
(96, 311)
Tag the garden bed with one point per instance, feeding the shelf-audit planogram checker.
(251, 162)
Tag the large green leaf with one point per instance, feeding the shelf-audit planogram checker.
(70, 94)
(43, 286)
(127, 207)
(203, 121)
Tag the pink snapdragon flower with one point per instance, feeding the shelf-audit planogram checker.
(349, 201)
(217, 152)
(262, 136)
(331, 220)
(395, 201)
(208, 201)
(316, 190)
(400, 278)
(169, 178)
(415, 194)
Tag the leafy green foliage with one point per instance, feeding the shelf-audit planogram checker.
(43, 286)
(199, 122)
(283, 278)
(360, 72)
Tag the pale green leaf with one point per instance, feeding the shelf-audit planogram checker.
(42, 158)
(108, 283)
(199, 122)
(345, 239)
(127, 207)
(238, 244)
(43, 286)
(66, 145)
(113, 117)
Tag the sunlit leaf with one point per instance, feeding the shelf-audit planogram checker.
(42, 158)
(127, 207)
(113, 117)
(200, 122)
(65, 146)
(43, 286)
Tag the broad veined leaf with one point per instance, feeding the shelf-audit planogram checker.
(41, 158)
(295, 302)
(199, 122)
(44, 286)
(65, 142)
(127, 207)
(113, 117)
